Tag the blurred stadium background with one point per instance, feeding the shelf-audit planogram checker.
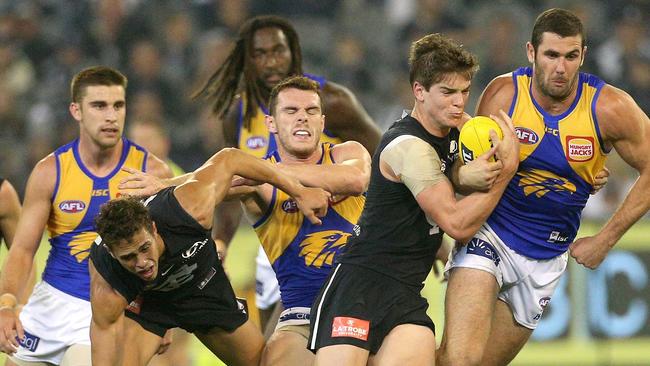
(168, 47)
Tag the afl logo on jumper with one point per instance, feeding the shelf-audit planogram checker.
(526, 136)
(72, 206)
(579, 148)
(256, 142)
(289, 206)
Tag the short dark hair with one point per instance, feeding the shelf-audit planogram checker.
(96, 75)
(120, 219)
(434, 56)
(559, 21)
(294, 82)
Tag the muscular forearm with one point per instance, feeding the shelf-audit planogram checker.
(16, 273)
(472, 211)
(247, 166)
(340, 179)
(106, 347)
(635, 205)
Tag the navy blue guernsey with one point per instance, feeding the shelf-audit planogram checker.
(394, 236)
(189, 261)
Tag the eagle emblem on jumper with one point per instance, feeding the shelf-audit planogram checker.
(321, 247)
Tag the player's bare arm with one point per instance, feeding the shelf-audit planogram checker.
(158, 176)
(626, 128)
(107, 326)
(36, 210)
(459, 219)
(228, 214)
(349, 176)
(9, 211)
(346, 117)
(212, 181)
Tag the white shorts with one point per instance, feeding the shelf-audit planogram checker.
(526, 284)
(294, 320)
(53, 321)
(267, 289)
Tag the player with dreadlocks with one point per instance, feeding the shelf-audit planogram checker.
(266, 52)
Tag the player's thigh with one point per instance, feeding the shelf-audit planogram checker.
(241, 347)
(77, 355)
(507, 337)
(178, 352)
(139, 345)
(287, 348)
(341, 354)
(406, 344)
(469, 306)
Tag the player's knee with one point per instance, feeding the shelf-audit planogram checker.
(465, 356)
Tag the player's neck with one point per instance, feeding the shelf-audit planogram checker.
(550, 105)
(429, 124)
(99, 160)
(290, 158)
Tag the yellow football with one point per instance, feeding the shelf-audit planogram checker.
(475, 139)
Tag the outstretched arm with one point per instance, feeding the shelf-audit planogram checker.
(210, 183)
(349, 176)
(18, 267)
(626, 127)
(107, 325)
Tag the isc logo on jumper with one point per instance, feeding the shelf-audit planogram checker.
(30, 342)
(72, 206)
(100, 192)
(256, 142)
(526, 136)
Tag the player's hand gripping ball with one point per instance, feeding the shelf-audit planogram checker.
(475, 138)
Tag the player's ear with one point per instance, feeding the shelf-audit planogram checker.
(418, 91)
(530, 52)
(75, 111)
(270, 123)
(584, 53)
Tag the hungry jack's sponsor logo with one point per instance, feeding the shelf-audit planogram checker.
(579, 148)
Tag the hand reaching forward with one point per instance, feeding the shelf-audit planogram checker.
(313, 203)
(139, 184)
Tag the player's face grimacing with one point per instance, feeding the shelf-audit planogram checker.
(298, 121)
(140, 255)
(445, 101)
(556, 64)
(271, 56)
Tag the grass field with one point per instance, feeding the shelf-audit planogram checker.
(631, 352)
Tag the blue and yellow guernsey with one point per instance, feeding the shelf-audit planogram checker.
(301, 253)
(540, 211)
(257, 140)
(77, 197)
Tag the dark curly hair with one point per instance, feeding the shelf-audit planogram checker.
(238, 69)
(434, 56)
(120, 219)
